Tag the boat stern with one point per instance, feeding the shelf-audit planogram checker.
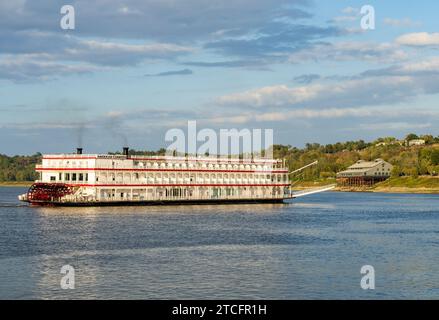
(46, 193)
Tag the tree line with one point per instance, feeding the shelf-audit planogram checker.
(407, 161)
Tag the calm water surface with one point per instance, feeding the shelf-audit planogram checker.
(310, 248)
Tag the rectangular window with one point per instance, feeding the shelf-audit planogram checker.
(60, 176)
(67, 177)
(52, 178)
(73, 176)
(81, 177)
(86, 177)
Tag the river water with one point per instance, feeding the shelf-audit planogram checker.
(309, 248)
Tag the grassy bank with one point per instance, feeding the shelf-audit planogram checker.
(422, 184)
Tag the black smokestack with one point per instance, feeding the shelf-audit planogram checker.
(78, 150)
(126, 151)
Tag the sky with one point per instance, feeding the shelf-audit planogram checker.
(132, 70)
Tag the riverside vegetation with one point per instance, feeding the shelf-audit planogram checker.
(416, 168)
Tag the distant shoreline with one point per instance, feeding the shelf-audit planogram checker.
(388, 190)
(392, 190)
(16, 184)
(419, 185)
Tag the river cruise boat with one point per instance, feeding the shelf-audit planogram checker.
(92, 180)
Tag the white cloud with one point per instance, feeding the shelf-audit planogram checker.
(156, 49)
(274, 96)
(32, 66)
(333, 113)
(348, 93)
(419, 39)
(73, 55)
(429, 64)
(159, 20)
(119, 53)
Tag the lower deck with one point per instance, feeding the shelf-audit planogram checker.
(156, 202)
(72, 195)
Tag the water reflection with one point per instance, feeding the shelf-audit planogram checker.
(310, 248)
(160, 210)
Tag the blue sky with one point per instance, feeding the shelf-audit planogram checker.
(131, 70)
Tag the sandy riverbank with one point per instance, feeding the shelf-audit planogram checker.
(15, 184)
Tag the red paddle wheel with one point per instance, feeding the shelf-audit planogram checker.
(48, 192)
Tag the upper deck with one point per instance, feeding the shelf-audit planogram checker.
(138, 162)
(70, 156)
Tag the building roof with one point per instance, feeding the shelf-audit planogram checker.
(361, 164)
(361, 167)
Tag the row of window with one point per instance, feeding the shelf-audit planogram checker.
(200, 165)
(191, 178)
(167, 165)
(365, 174)
(71, 177)
(83, 177)
(185, 192)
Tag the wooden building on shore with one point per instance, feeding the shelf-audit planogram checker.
(365, 173)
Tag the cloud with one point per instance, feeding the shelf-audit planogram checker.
(117, 54)
(44, 56)
(329, 113)
(351, 10)
(348, 93)
(183, 72)
(31, 67)
(307, 78)
(112, 34)
(350, 51)
(274, 42)
(67, 47)
(375, 95)
(423, 70)
(170, 20)
(224, 64)
(45, 125)
(401, 23)
(385, 126)
(419, 39)
(349, 14)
